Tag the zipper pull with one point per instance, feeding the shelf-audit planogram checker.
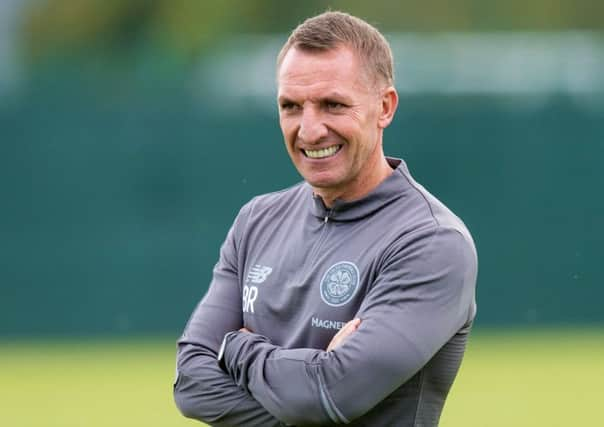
(327, 216)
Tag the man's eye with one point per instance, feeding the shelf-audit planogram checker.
(333, 105)
(288, 106)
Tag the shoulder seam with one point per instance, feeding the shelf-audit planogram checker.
(423, 196)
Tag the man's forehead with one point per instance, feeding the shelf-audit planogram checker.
(320, 88)
(305, 68)
(297, 55)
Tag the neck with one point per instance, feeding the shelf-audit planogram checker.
(362, 185)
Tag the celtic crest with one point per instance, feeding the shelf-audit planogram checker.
(339, 283)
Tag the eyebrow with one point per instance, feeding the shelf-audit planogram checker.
(327, 96)
(334, 94)
(283, 98)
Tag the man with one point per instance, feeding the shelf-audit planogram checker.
(359, 247)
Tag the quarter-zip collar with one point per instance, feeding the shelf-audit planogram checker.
(389, 190)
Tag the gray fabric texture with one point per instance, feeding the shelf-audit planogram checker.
(293, 272)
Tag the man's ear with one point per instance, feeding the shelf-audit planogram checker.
(389, 103)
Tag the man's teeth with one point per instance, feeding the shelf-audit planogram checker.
(324, 152)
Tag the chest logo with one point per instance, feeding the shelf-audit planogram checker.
(339, 284)
(258, 273)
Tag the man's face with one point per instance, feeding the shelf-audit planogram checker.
(329, 115)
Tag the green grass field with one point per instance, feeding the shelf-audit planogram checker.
(534, 378)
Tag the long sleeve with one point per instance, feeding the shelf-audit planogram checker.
(422, 297)
(202, 390)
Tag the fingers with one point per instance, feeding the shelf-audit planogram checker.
(354, 323)
(343, 333)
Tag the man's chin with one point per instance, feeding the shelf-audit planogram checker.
(323, 183)
(328, 190)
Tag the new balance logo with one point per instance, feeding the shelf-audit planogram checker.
(258, 273)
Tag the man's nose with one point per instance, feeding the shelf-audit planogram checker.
(312, 129)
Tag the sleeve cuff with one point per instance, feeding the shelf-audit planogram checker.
(220, 356)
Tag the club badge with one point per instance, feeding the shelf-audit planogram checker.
(339, 284)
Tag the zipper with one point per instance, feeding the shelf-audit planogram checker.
(321, 236)
(318, 244)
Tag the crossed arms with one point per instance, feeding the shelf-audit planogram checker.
(421, 298)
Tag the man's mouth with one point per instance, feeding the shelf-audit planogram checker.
(323, 152)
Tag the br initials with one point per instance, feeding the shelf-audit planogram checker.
(250, 293)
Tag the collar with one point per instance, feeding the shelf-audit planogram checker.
(389, 190)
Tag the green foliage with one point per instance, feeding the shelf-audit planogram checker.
(182, 29)
(111, 30)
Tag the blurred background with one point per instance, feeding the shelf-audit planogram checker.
(132, 131)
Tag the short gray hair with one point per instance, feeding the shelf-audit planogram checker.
(331, 29)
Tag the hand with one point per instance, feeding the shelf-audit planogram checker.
(244, 330)
(343, 333)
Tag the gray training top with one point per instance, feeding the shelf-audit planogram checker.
(294, 272)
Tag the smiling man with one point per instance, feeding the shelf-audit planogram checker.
(332, 114)
(348, 298)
